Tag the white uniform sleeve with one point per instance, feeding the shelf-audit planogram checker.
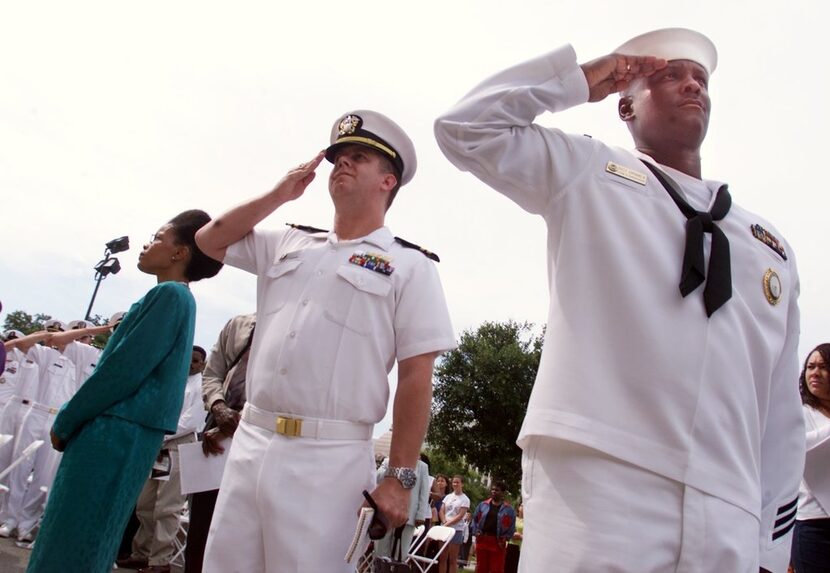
(254, 252)
(782, 449)
(422, 320)
(491, 133)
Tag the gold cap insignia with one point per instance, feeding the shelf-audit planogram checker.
(349, 124)
(772, 287)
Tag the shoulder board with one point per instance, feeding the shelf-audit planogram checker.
(306, 228)
(426, 253)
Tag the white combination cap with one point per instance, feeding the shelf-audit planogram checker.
(378, 132)
(54, 324)
(80, 323)
(674, 44)
(12, 334)
(116, 318)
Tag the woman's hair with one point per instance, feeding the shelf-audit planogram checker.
(447, 487)
(185, 226)
(807, 396)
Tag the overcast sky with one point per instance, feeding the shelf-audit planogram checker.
(115, 116)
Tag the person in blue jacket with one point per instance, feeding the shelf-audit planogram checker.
(111, 430)
(494, 523)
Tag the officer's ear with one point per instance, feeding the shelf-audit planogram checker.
(625, 108)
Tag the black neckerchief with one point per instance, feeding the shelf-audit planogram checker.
(718, 288)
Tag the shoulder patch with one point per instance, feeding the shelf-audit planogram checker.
(306, 228)
(426, 253)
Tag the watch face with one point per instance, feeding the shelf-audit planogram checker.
(407, 477)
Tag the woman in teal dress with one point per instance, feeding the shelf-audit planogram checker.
(111, 430)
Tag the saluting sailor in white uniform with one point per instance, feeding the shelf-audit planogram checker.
(9, 379)
(56, 385)
(80, 351)
(335, 311)
(664, 430)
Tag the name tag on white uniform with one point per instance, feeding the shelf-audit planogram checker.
(626, 172)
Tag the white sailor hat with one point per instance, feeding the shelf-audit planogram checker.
(674, 44)
(80, 323)
(12, 334)
(378, 132)
(54, 324)
(116, 318)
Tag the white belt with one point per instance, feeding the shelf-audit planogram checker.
(36, 406)
(301, 426)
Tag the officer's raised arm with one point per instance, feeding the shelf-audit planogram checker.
(215, 237)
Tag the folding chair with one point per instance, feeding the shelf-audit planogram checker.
(416, 537)
(440, 533)
(365, 562)
(27, 451)
(180, 541)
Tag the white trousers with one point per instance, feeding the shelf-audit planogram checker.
(11, 420)
(287, 505)
(586, 511)
(26, 500)
(32, 427)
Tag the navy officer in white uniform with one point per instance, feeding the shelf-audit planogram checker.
(335, 311)
(663, 432)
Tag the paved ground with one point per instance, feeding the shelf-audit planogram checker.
(14, 559)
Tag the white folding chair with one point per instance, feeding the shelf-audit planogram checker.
(180, 541)
(439, 533)
(27, 451)
(416, 537)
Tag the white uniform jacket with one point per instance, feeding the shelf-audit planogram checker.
(332, 318)
(84, 356)
(629, 366)
(11, 374)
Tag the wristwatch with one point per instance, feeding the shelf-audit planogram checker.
(406, 476)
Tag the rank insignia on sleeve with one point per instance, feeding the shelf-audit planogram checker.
(772, 287)
(768, 239)
(373, 262)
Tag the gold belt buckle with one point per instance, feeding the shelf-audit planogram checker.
(289, 426)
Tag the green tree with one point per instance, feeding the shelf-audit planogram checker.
(25, 322)
(441, 463)
(480, 397)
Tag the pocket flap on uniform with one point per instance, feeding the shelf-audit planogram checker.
(283, 266)
(365, 280)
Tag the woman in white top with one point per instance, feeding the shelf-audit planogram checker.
(811, 538)
(453, 510)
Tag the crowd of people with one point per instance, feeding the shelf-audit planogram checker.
(665, 430)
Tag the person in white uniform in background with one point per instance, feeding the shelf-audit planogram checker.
(80, 350)
(9, 377)
(811, 535)
(335, 311)
(25, 381)
(664, 431)
(161, 500)
(57, 383)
